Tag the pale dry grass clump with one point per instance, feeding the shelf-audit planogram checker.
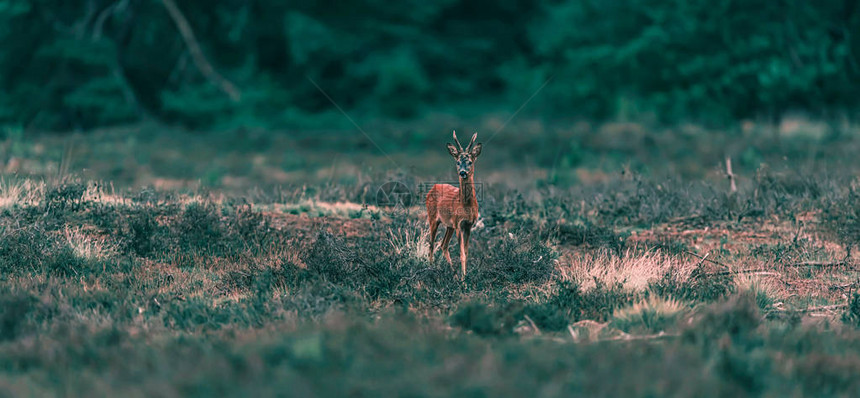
(633, 269)
(24, 193)
(653, 313)
(316, 208)
(98, 193)
(197, 199)
(768, 292)
(88, 247)
(660, 306)
(758, 282)
(410, 239)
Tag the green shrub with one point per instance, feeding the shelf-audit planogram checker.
(64, 197)
(705, 284)
(511, 260)
(650, 315)
(14, 310)
(735, 316)
(331, 259)
(570, 304)
(486, 320)
(141, 234)
(22, 250)
(588, 234)
(199, 228)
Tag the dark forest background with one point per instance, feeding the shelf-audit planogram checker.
(76, 65)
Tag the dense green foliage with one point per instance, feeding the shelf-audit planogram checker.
(84, 63)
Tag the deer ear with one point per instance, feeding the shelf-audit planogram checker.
(476, 151)
(453, 150)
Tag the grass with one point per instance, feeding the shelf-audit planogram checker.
(653, 314)
(631, 284)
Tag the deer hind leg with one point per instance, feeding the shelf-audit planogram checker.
(448, 233)
(433, 226)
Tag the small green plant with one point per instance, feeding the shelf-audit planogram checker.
(66, 196)
(141, 234)
(851, 315)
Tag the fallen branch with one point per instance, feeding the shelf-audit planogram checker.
(683, 219)
(819, 264)
(572, 332)
(533, 325)
(197, 56)
(755, 272)
(844, 286)
(748, 271)
(819, 308)
(631, 337)
(704, 258)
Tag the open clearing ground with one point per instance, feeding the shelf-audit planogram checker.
(138, 263)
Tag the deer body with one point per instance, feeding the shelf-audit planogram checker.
(455, 208)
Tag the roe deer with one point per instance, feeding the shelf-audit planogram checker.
(456, 208)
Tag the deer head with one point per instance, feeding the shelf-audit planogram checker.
(465, 157)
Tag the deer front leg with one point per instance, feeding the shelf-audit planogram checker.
(464, 249)
(447, 238)
(433, 226)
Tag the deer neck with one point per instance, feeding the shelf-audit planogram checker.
(467, 193)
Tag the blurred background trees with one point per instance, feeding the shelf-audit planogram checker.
(67, 65)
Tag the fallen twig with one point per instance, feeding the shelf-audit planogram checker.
(704, 258)
(748, 271)
(532, 323)
(684, 219)
(572, 332)
(757, 272)
(815, 309)
(844, 286)
(819, 264)
(631, 337)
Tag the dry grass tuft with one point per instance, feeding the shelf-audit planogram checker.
(97, 193)
(653, 313)
(634, 269)
(654, 304)
(316, 208)
(88, 247)
(765, 289)
(410, 239)
(23, 193)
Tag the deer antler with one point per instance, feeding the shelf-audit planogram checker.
(474, 137)
(460, 147)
